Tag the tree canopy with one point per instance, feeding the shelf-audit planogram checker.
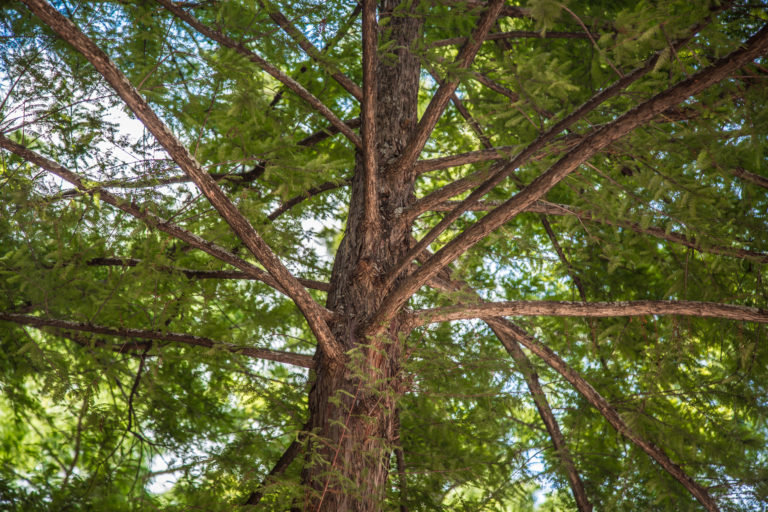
(408, 255)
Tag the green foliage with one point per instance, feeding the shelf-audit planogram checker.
(97, 422)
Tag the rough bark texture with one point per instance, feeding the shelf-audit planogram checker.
(352, 406)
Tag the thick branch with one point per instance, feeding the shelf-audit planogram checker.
(239, 224)
(186, 339)
(525, 156)
(591, 309)
(144, 214)
(443, 95)
(310, 50)
(541, 185)
(289, 82)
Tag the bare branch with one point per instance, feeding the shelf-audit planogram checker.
(186, 339)
(289, 82)
(311, 310)
(310, 50)
(323, 134)
(144, 214)
(443, 95)
(590, 309)
(470, 157)
(495, 87)
(541, 185)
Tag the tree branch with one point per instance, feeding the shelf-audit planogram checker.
(590, 309)
(323, 187)
(144, 214)
(608, 412)
(186, 339)
(311, 310)
(547, 208)
(293, 450)
(524, 156)
(470, 157)
(289, 82)
(443, 95)
(591, 144)
(537, 392)
(310, 49)
(744, 174)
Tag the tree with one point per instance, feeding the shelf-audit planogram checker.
(417, 255)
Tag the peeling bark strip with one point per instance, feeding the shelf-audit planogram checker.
(641, 114)
(608, 412)
(590, 309)
(289, 82)
(368, 115)
(186, 339)
(142, 213)
(239, 224)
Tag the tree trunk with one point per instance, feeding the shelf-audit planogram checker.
(352, 404)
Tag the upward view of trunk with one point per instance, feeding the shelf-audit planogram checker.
(593, 141)
(352, 406)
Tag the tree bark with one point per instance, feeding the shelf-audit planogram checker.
(352, 405)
